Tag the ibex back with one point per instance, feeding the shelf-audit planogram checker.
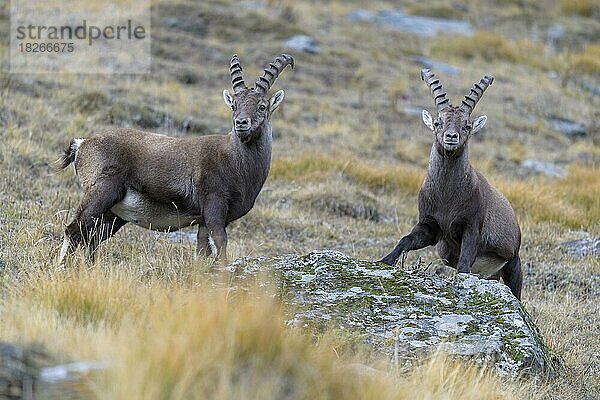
(166, 183)
(472, 223)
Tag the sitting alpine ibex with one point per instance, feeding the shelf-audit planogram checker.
(167, 183)
(471, 222)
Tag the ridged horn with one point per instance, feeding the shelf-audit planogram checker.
(471, 100)
(237, 80)
(272, 71)
(439, 96)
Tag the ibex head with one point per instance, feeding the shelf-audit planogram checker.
(453, 126)
(250, 106)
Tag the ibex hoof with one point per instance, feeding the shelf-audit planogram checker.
(387, 260)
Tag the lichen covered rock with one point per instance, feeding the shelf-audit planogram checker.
(408, 312)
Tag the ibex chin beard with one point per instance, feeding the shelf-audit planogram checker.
(244, 135)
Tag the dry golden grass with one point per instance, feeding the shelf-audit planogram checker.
(584, 8)
(491, 47)
(205, 341)
(588, 61)
(320, 166)
(573, 202)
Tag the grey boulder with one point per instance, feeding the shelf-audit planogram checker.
(407, 313)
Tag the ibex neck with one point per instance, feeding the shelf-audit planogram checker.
(445, 168)
(254, 157)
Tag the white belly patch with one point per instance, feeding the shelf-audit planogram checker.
(143, 211)
(487, 266)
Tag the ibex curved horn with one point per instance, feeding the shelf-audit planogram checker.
(272, 71)
(439, 96)
(237, 80)
(470, 101)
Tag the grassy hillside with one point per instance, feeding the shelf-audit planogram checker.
(348, 159)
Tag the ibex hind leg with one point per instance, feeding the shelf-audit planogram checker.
(96, 202)
(104, 228)
(512, 275)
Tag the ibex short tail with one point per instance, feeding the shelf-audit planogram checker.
(69, 155)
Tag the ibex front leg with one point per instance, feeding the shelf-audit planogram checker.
(215, 214)
(422, 235)
(468, 250)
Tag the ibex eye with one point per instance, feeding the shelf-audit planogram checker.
(262, 107)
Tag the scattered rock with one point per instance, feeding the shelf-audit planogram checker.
(437, 66)
(69, 372)
(568, 127)
(555, 33)
(17, 371)
(545, 168)
(407, 313)
(2, 266)
(361, 16)
(413, 110)
(28, 373)
(179, 236)
(590, 86)
(252, 4)
(302, 43)
(586, 246)
(422, 26)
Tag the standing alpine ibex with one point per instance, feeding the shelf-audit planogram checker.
(471, 222)
(167, 183)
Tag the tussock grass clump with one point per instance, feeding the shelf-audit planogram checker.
(403, 177)
(573, 202)
(582, 8)
(491, 47)
(588, 61)
(539, 204)
(91, 301)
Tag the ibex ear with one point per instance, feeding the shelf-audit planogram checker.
(478, 123)
(427, 119)
(276, 100)
(228, 98)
